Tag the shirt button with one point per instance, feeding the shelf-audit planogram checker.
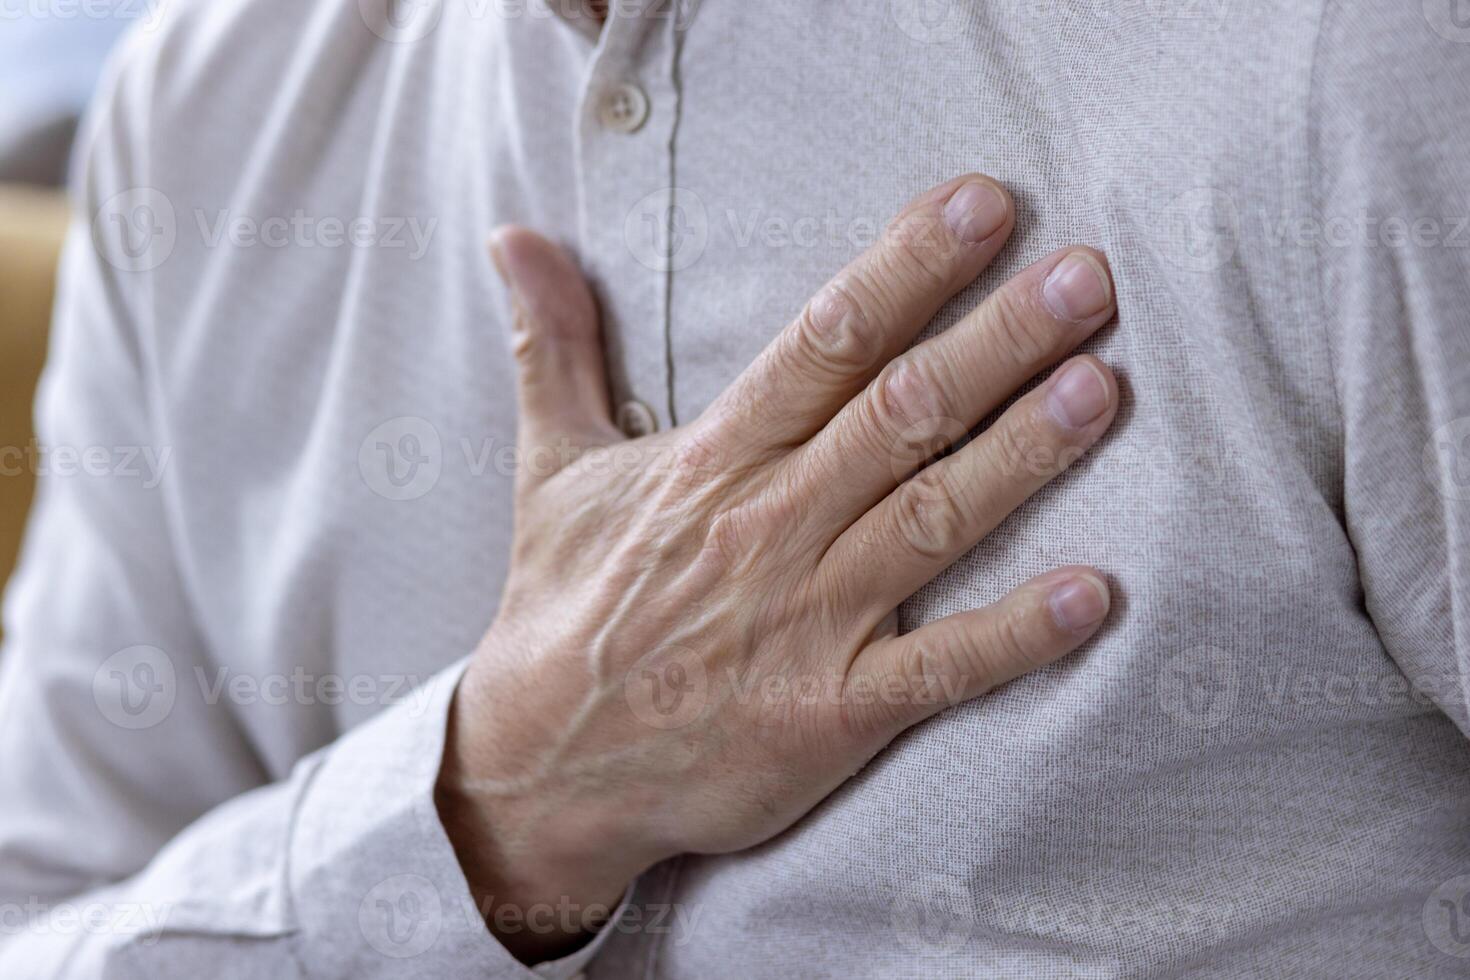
(636, 419)
(624, 109)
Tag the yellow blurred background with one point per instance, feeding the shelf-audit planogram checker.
(32, 225)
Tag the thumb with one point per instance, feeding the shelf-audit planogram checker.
(556, 339)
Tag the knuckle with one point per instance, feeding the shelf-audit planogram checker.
(931, 520)
(738, 535)
(1023, 336)
(903, 397)
(728, 537)
(698, 451)
(834, 334)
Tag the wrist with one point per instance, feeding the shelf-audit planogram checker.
(545, 871)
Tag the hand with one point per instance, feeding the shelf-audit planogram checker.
(697, 638)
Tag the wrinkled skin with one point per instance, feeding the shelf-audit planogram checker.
(697, 640)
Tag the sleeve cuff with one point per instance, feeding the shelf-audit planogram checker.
(374, 880)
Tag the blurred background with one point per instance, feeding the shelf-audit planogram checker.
(51, 54)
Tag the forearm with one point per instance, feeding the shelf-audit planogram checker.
(341, 870)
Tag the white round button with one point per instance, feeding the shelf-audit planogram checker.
(624, 108)
(636, 419)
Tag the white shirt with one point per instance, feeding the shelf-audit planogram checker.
(225, 675)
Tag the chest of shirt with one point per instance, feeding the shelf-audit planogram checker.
(362, 404)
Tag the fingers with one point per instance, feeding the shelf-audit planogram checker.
(965, 655)
(929, 521)
(934, 394)
(868, 313)
(560, 370)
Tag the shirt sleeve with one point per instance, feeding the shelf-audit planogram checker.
(1393, 228)
(140, 834)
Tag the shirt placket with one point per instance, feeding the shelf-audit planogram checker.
(630, 236)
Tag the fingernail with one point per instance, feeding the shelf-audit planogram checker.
(1077, 288)
(1078, 395)
(975, 212)
(1079, 603)
(497, 256)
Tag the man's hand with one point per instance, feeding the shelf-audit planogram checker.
(697, 639)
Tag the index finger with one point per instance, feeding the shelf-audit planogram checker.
(868, 313)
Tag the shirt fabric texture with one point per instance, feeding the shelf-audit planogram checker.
(226, 671)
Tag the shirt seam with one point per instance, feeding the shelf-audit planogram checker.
(1316, 200)
(675, 85)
